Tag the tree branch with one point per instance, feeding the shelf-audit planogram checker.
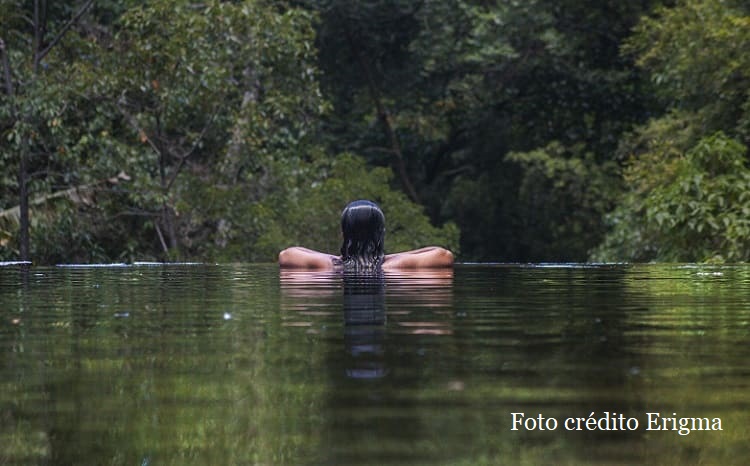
(37, 41)
(64, 30)
(139, 130)
(383, 114)
(6, 69)
(161, 238)
(183, 158)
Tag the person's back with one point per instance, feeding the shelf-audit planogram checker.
(363, 247)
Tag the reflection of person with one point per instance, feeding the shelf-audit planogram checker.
(364, 299)
(365, 331)
(363, 229)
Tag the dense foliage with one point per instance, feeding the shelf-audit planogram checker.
(686, 172)
(542, 130)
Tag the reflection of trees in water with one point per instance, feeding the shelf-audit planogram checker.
(106, 351)
(410, 367)
(383, 351)
(385, 334)
(554, 340)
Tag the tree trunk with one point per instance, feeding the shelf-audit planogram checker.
(23, 206)
(40, 51)
(23, 189)
(167, 216)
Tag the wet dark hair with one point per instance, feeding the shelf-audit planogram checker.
(363, 227)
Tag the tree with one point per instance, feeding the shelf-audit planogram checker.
(32, 102)
(364, 62)
(695, 53)
(565, 193)
(465, 83)
(693, 207)
(227, 88)
(686, 187)
(184, 125)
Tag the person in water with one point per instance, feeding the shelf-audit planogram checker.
(363, 229)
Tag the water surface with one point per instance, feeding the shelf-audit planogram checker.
(240, 364)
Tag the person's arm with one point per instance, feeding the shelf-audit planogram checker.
(429, 257)
(303, 258)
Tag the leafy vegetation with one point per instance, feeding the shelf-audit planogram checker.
(686, 176)
(224, 131)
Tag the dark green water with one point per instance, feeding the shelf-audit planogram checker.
(225, 365)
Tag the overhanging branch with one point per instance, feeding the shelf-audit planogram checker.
(64, 30)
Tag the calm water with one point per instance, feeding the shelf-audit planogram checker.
(224, 365)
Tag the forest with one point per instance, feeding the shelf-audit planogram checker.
(512, 131)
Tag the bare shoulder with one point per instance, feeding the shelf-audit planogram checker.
(429, 257)
(302, 258)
